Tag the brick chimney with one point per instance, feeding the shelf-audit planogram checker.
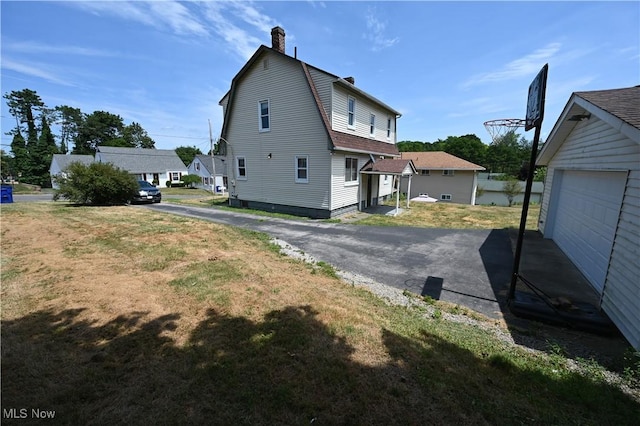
(351, 80)
(277, 39)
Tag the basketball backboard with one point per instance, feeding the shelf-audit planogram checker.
(535, 101)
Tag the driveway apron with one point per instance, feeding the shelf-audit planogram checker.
(467, 267)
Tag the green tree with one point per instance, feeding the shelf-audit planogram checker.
(95, 184)
(511, 189)
(137, 137)
(467, 147)
(42, 154)
(190, 180)
(187, 153)
(98, 128)
(70, 119)
(6, 166)
(21, 160)
(22, 105)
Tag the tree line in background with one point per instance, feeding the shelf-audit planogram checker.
(34, 143)
(508, 155)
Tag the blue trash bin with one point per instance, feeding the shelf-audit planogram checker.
(7, 194)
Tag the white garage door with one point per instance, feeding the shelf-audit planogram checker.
(585, 220)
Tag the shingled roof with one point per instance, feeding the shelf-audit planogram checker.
(623, 103)
(388, 166)
(439, 160)
(63, 160)
(142, 160)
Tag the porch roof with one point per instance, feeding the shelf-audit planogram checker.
(388, 166)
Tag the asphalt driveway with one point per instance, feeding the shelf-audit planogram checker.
(468, 267)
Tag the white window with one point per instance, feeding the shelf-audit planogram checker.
(388, 128)
(386, 179)
(197, 166)
(424, 172)
(447, 173)
(445, 197)
(175, 176)
(264, 110)
(372, 124)
(351, 106)
(302, 169)
(241, 168)
(351, 169)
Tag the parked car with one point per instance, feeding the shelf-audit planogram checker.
(147, 193)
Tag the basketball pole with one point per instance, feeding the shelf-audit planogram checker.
(525, 210)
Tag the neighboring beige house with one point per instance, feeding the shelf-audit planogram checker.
(443, 176)
(490, 192)
(59, 162)
(157, 166)
(591, 203)
(297, 137)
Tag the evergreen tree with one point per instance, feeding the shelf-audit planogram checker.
(42, 154)
(70, 119)
(21, 160)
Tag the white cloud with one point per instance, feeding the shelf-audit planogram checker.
(35, 47)
(34, 70)
(159, 15)
(376, 34)
(240, 41)
(522, 67)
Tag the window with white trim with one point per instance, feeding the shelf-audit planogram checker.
(372, 124)
(302, 169)
(241, 168)
(388, 127)
(425, 172)
(351, 112)
(351, 169)
(175, 176)
(386, 179)
(264, 109)
(447, 173)
(445, 197)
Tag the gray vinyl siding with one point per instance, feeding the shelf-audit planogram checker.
(595, 145)
(364, 109)
(344, 194)
(460, 185)
(295, 129)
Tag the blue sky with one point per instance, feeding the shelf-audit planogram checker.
(446, 66)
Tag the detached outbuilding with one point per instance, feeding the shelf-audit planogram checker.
(591, 202)
(59, 163)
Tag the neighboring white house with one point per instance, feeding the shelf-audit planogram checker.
(443, 176)
(591, 203)
(490, 192)
(59, 162)
(298, 137)
(157, 166)
(202, 165)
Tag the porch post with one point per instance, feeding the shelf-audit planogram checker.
(397, 197)
(409, 191)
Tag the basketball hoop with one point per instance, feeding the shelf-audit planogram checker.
(498, 129)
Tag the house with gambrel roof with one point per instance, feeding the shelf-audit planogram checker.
(443, 176)
(297, 137)
(157, 166)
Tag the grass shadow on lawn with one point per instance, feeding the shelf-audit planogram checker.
(288, 368)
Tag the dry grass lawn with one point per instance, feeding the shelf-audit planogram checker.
(125, 316)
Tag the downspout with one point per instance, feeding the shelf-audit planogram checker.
(474, 187)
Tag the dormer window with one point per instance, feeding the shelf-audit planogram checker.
(351, 113)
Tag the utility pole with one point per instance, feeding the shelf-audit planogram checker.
(213, 161)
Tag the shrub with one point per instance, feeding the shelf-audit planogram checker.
(95, 184)
(190, 180)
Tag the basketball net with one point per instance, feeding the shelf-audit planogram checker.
(498, 129)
